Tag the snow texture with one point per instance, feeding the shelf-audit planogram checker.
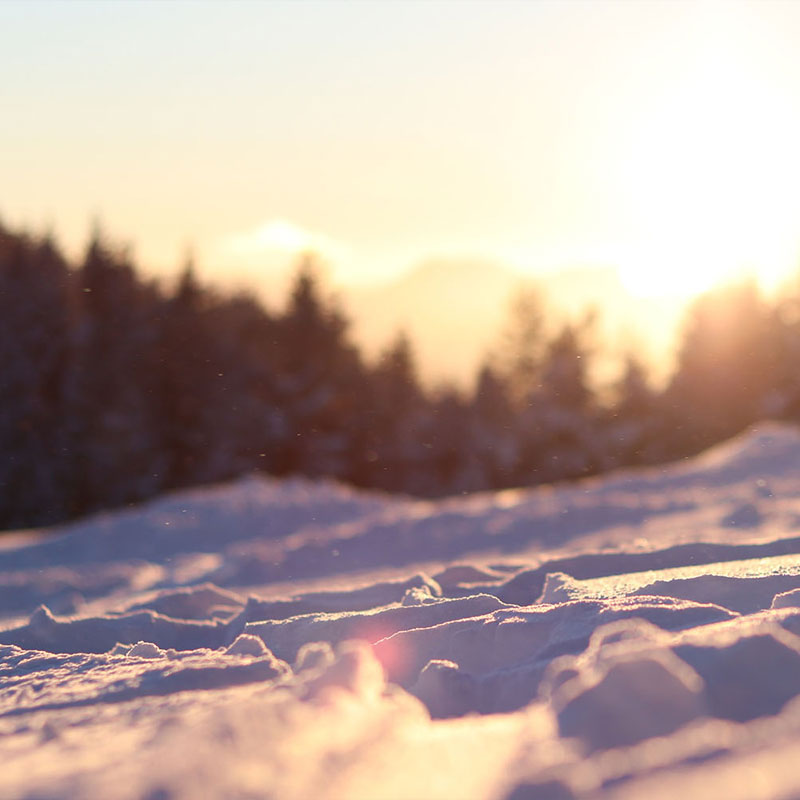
(636, 635)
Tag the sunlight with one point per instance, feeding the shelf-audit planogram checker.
(711, 170)
(678, 275)
(276, 234)
(264, 256)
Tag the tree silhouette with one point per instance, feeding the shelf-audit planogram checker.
(318, 377)
(113, 389)
(725, 367)
(37, 334)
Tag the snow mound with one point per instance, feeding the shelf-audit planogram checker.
(729, 668)
(146, 650)
(790, 599)
(628, 699)
(767, 452)
(197, 602)
(246, 645)
(767, 449)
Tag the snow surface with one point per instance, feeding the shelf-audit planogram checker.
(631, 636)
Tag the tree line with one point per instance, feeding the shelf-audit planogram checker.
(114, 388)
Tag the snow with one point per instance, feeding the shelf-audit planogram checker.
(634, 635)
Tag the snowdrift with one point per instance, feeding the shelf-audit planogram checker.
(636, 635)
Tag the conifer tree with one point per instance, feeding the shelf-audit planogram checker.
(493, 430)
(633, 419)
(319, 373)
(114, 439)
(726, 363)
(564, 414)
(245, 341)
(521, 349)
(188, 377)
(397, 422)
(454, 457)
(37, 328)
(783, 398)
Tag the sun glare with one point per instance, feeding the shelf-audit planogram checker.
(679, 274)
(277, 234)
(711, 170)
(277, 242)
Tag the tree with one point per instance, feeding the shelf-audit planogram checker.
(632, 422)
(248, 419)
(318, 380)
(455, 459)
(395, 424)
(783, 399)
(37, 335)
(726, 364)
(189, 385)
(494, 434)
(114, 444)
(561, 422)
(564, 381)
(521, 350)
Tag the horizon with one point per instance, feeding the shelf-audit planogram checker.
(446, 350)
(450, 343)
(655, 139)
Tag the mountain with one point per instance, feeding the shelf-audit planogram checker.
(454, 311)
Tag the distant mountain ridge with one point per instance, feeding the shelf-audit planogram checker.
(454, 310)
(451, 309)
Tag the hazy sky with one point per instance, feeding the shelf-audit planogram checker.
(660, 137)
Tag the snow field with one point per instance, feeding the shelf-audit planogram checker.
(630, 636)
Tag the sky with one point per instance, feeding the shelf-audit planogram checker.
(658, 138)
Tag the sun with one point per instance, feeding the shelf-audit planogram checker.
(711, 171)
(679, 274)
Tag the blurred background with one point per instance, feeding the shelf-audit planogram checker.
(429, 247)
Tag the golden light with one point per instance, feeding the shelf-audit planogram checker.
(265, 256)
(275, 235)
(711, 169)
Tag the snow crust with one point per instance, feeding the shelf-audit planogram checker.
(631, 636)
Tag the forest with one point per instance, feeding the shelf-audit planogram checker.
(115, 388)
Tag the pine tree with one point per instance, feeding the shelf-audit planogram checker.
(456, 462)
(114, 445)
(521, 349)
(493, 429)
(726, 365)
(188, 375)
(248, 419)
(319, 374)
(632, 423)
(397, 423)
(36, 347)
(558, 437)
(783, 397)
